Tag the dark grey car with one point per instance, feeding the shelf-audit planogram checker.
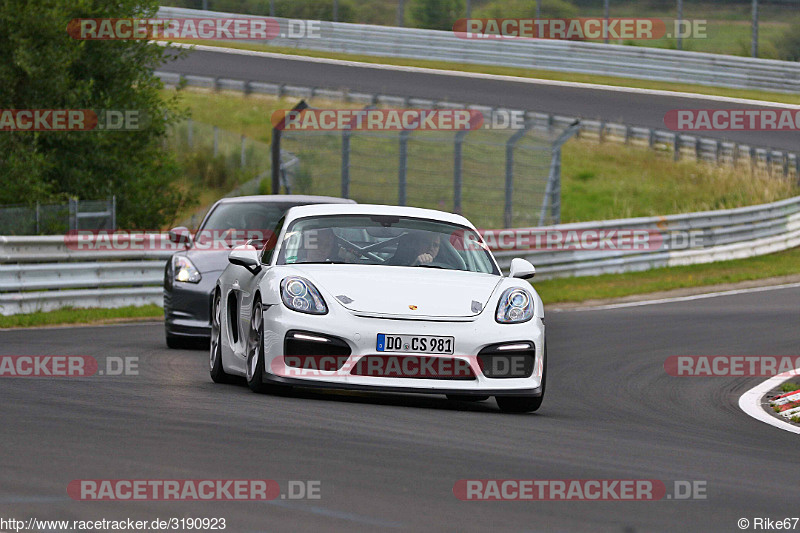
(190, 275)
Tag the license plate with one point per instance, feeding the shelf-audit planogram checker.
(415, 343)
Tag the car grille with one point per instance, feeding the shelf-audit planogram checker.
(302, 351)
(497, 363)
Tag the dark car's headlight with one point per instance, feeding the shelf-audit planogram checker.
(185, 270)
(515, 306)
(299, 294)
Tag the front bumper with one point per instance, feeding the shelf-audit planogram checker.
(187, 307)
(360, 334)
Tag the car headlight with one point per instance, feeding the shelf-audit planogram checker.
(185, 270)
(515, 306)
(299, 294)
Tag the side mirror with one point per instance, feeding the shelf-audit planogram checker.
(246, 256)
(522, 268)
(180, 235)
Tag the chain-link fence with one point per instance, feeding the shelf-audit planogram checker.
(217, 158)
(496, 178)
(52, 219)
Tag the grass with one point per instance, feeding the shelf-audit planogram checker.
(70, 315)
(790, 386)
(519, 72)
(661, 279)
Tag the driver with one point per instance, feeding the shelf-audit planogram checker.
(417, 248)
(427, 249)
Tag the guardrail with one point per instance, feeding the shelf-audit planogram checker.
(564, 56)
(680, 145)
(70, 277)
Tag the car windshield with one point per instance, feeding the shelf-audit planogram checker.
(385, 240)
(237, 222)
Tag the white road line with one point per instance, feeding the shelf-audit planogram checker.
(679, 298)
(481, 75)
(750, 402)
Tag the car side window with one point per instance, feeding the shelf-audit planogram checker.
(272, 242)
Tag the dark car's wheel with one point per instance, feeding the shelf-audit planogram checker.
(218, 374)
(524, 404)
(177, 342)
(466, 398)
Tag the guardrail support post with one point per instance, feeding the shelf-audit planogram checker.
(402, 167)
(677, 144)
(651, 139)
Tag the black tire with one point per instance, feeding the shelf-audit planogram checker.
(218, 374)
(524, 404)
(466, 398)
(176, 342)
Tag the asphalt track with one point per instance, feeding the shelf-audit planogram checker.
(389, 461)
(645, 110)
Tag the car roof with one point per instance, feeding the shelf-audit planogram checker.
(375, 209)
(283, 198)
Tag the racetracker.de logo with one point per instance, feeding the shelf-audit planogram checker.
(732, 119)
(104, 29)
(174, 489)
(378, 119)
(731, 365)
(71, 120)
(576, 29)
(138, 240)
(60, 366)
(559, 489)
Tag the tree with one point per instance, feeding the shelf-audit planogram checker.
(44, 68)
(436, 14)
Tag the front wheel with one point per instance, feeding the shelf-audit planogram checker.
(218, 374)
(524, 404)
(255, 355)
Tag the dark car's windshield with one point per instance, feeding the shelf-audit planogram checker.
(237, 222)
(385, 240)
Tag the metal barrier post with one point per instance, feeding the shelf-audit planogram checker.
(509, 187)
(275, 145)
(403, 167)
(346, 163)
(457, 169)
(73, 214)
(552, 193)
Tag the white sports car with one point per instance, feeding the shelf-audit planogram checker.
(374, 297)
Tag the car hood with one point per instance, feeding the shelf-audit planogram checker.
(404, 291)
(208, 260)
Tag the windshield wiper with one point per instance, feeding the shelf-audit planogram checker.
(430, 266)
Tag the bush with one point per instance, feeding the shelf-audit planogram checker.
(436, 14)
(788, 44)
(559, 9)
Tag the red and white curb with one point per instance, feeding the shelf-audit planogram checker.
(787, 405)
(750, 402)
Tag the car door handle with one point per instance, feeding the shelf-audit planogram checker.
(236, 285)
